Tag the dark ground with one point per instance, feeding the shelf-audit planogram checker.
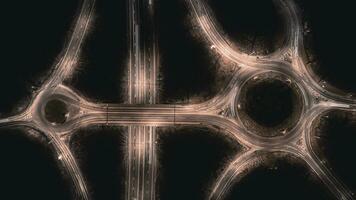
(101, 157)
(190, 159)
(55, 111)
(254, 25)
(101, 75)
(279, 180)
(33, 34)
(186, 67)
(29, 169)
(331, 41)
(270, 102)
(337, 144)
(31, 37)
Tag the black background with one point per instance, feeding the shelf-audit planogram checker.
(33, 33)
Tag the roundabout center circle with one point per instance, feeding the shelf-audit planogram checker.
(56, 111)
(270, 104)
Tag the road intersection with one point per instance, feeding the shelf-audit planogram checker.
(142, 113)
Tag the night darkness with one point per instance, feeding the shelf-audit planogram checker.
(190, 157)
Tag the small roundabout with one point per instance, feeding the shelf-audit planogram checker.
(56, 111)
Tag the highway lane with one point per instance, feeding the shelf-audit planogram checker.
(204, 17)
(142, 113)
(63, 153)
(317, 165)
(162, 115)
(69, 58)
(295, 53)
(168, 115)
(236, 169)
(141, 158)
(293, 49)
(69, 163)
(65, 67)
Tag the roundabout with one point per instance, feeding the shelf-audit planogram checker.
(269, 104)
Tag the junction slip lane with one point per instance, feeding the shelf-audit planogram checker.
(142, 114)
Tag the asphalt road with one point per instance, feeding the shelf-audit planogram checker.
(142, 113)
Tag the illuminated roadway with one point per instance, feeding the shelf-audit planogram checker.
(142, 114)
